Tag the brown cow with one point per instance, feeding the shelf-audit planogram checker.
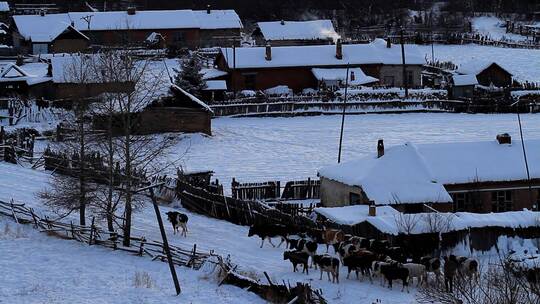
(333, 237)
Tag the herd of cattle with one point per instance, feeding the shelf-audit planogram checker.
(368, 257)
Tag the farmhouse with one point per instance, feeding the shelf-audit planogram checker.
(487, 73)
(474, 177)
(286, 33)
(32, 79)
(70, 32)
(260, 68)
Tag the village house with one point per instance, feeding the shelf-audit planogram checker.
(487, 73)
(261, 68)
(27, 80)
(73, 31)
(474, 177)
(286, 33)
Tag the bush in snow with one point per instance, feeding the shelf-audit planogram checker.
(142, 279)
(189, 77)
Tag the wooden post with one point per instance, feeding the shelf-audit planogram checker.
(72, 230)
(34, 217)
(13, 212)
(91, 232)
(141, 246)
(165, 243)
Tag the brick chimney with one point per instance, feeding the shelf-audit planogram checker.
(372, 211)
(339, 49)
(42, 12)
(504, 138)
(131, 10)
(268, 55)
(388, 42)
(282, 22)
(208, 10)
(380, 148)
(352, 76)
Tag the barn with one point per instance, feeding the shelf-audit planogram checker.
(261, 68)
(487, 73)
(477, 177)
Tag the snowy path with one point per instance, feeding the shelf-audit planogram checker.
(260, 149)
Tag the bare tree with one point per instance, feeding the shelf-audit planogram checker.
(77, 70)
(137, 154)
(406, 223)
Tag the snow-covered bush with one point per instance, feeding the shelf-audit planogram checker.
(281, 90)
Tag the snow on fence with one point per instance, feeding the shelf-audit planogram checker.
(271, 190)
(237, 211)
(228, 274)
(95, 235)
(318, 107)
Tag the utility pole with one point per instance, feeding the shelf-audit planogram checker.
(343, 114)
(166, 247)
(405, 80)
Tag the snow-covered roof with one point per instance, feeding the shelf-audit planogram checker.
(360, 77)
(352, 215)
(416, 173)
(322, 55)
(390, 221)
(75, 69)
(476, 67)
(212, 73)
(216, 85)
(44, 27)
(9, 72)
(298, 30)
(4, 6)
(464, 80)
(399, 177)
(193, 98)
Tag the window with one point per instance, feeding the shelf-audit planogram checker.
(354, 199)
(501, 201)
(460, 201)
(178, 37)
(249, 81)
(466, 202)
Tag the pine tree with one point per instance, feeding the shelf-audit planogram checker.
(190, 77)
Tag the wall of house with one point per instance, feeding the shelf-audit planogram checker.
(219, 37)
(496, 75)
(336, 194)
(462, 91)
(180, 37)
(294, 42)
(69, 45)
(164, 119)
(480, 194)
(395, 72)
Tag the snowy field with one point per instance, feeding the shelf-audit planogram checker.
(524, 64)
(494, 28)
(260, 149)
(41, 269)
(90, 275)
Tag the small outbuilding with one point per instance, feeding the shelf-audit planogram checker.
(463, 86)
(488, 73)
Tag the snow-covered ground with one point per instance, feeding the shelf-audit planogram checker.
(209, 234)
(41, 269)
(494, 28)
(260, 149)
(524, 64)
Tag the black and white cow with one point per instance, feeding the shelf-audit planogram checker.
(328, 264)
(177, 220)
(269, 231)
(297, 257)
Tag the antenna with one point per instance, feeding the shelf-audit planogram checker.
(88, 19)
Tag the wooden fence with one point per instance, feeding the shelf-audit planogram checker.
(15, 145)
(94, 235)
(271, 190)
(237, 211)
